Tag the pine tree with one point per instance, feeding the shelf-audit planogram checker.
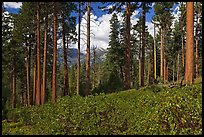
(38, 84)
(130, 7)
(198, 15)
(78, 52)
(164, 17)
(45, 57)
(189, 77)
(54, 69)
(88, 52)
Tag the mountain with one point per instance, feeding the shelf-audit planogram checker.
(72, 55)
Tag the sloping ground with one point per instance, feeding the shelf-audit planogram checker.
(151, 110)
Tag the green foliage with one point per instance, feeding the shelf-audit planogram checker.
(173, 111)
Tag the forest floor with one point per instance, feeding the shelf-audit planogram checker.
(155, 109)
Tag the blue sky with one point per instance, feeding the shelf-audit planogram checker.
(100, 28)
(97, 11)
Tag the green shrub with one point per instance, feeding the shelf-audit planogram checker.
(149, 111)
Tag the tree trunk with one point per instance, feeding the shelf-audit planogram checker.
(54, 59)
(94, 67)
(28, 74)
(178, 75)
(155, 56)
(173, 70)
(143, 44)
(68, 89)
(21, 98)
(164, 69)
(148, 72)
(24, 94)
(45, 59)
(127, 51)
(34, 77)
(88, 52)
(167, 72)
(182, 50)
(66, 85)
(197, 56)
(121, 73)
(140, 59)
(189, 77)
(14, 86)
(38, 57)
(78, 60)
(161, 54)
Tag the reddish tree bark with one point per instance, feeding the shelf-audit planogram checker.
(45, 59)
(162, 55)
(78, 55)
(54, 68)
(127, 49)
(155, 56)
(38, 90)
(189, 77)
(165, 70)
(183, 63)
(34, 76)
(178, 75)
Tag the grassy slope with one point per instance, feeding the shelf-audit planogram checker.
(150, 110)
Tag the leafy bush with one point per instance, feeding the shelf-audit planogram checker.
(151, 110)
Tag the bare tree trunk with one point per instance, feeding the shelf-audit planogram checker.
(24, 94)
(45, 59)
(178, 75)
(14, 86)
(25, 99)
(155, 56)
(182, 50)
(140, 60)
(94, 67)
(28, 73)
(121, 73)
(127, 51)
(143, 44)
(197, 56)
(167, 72)
(78, 61)
(34, 77)
(21, 99)
(88, 52)
(189, 77)
(66, 84)
(38, 56)
(164, 68)
(54, 68)
(68, 89)
(148, 72)
(162, 55)
(173, 71)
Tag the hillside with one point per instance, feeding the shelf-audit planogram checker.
(151, 110)
(72, 55)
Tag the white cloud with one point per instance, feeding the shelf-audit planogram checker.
(100, 27)
(12, 4)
